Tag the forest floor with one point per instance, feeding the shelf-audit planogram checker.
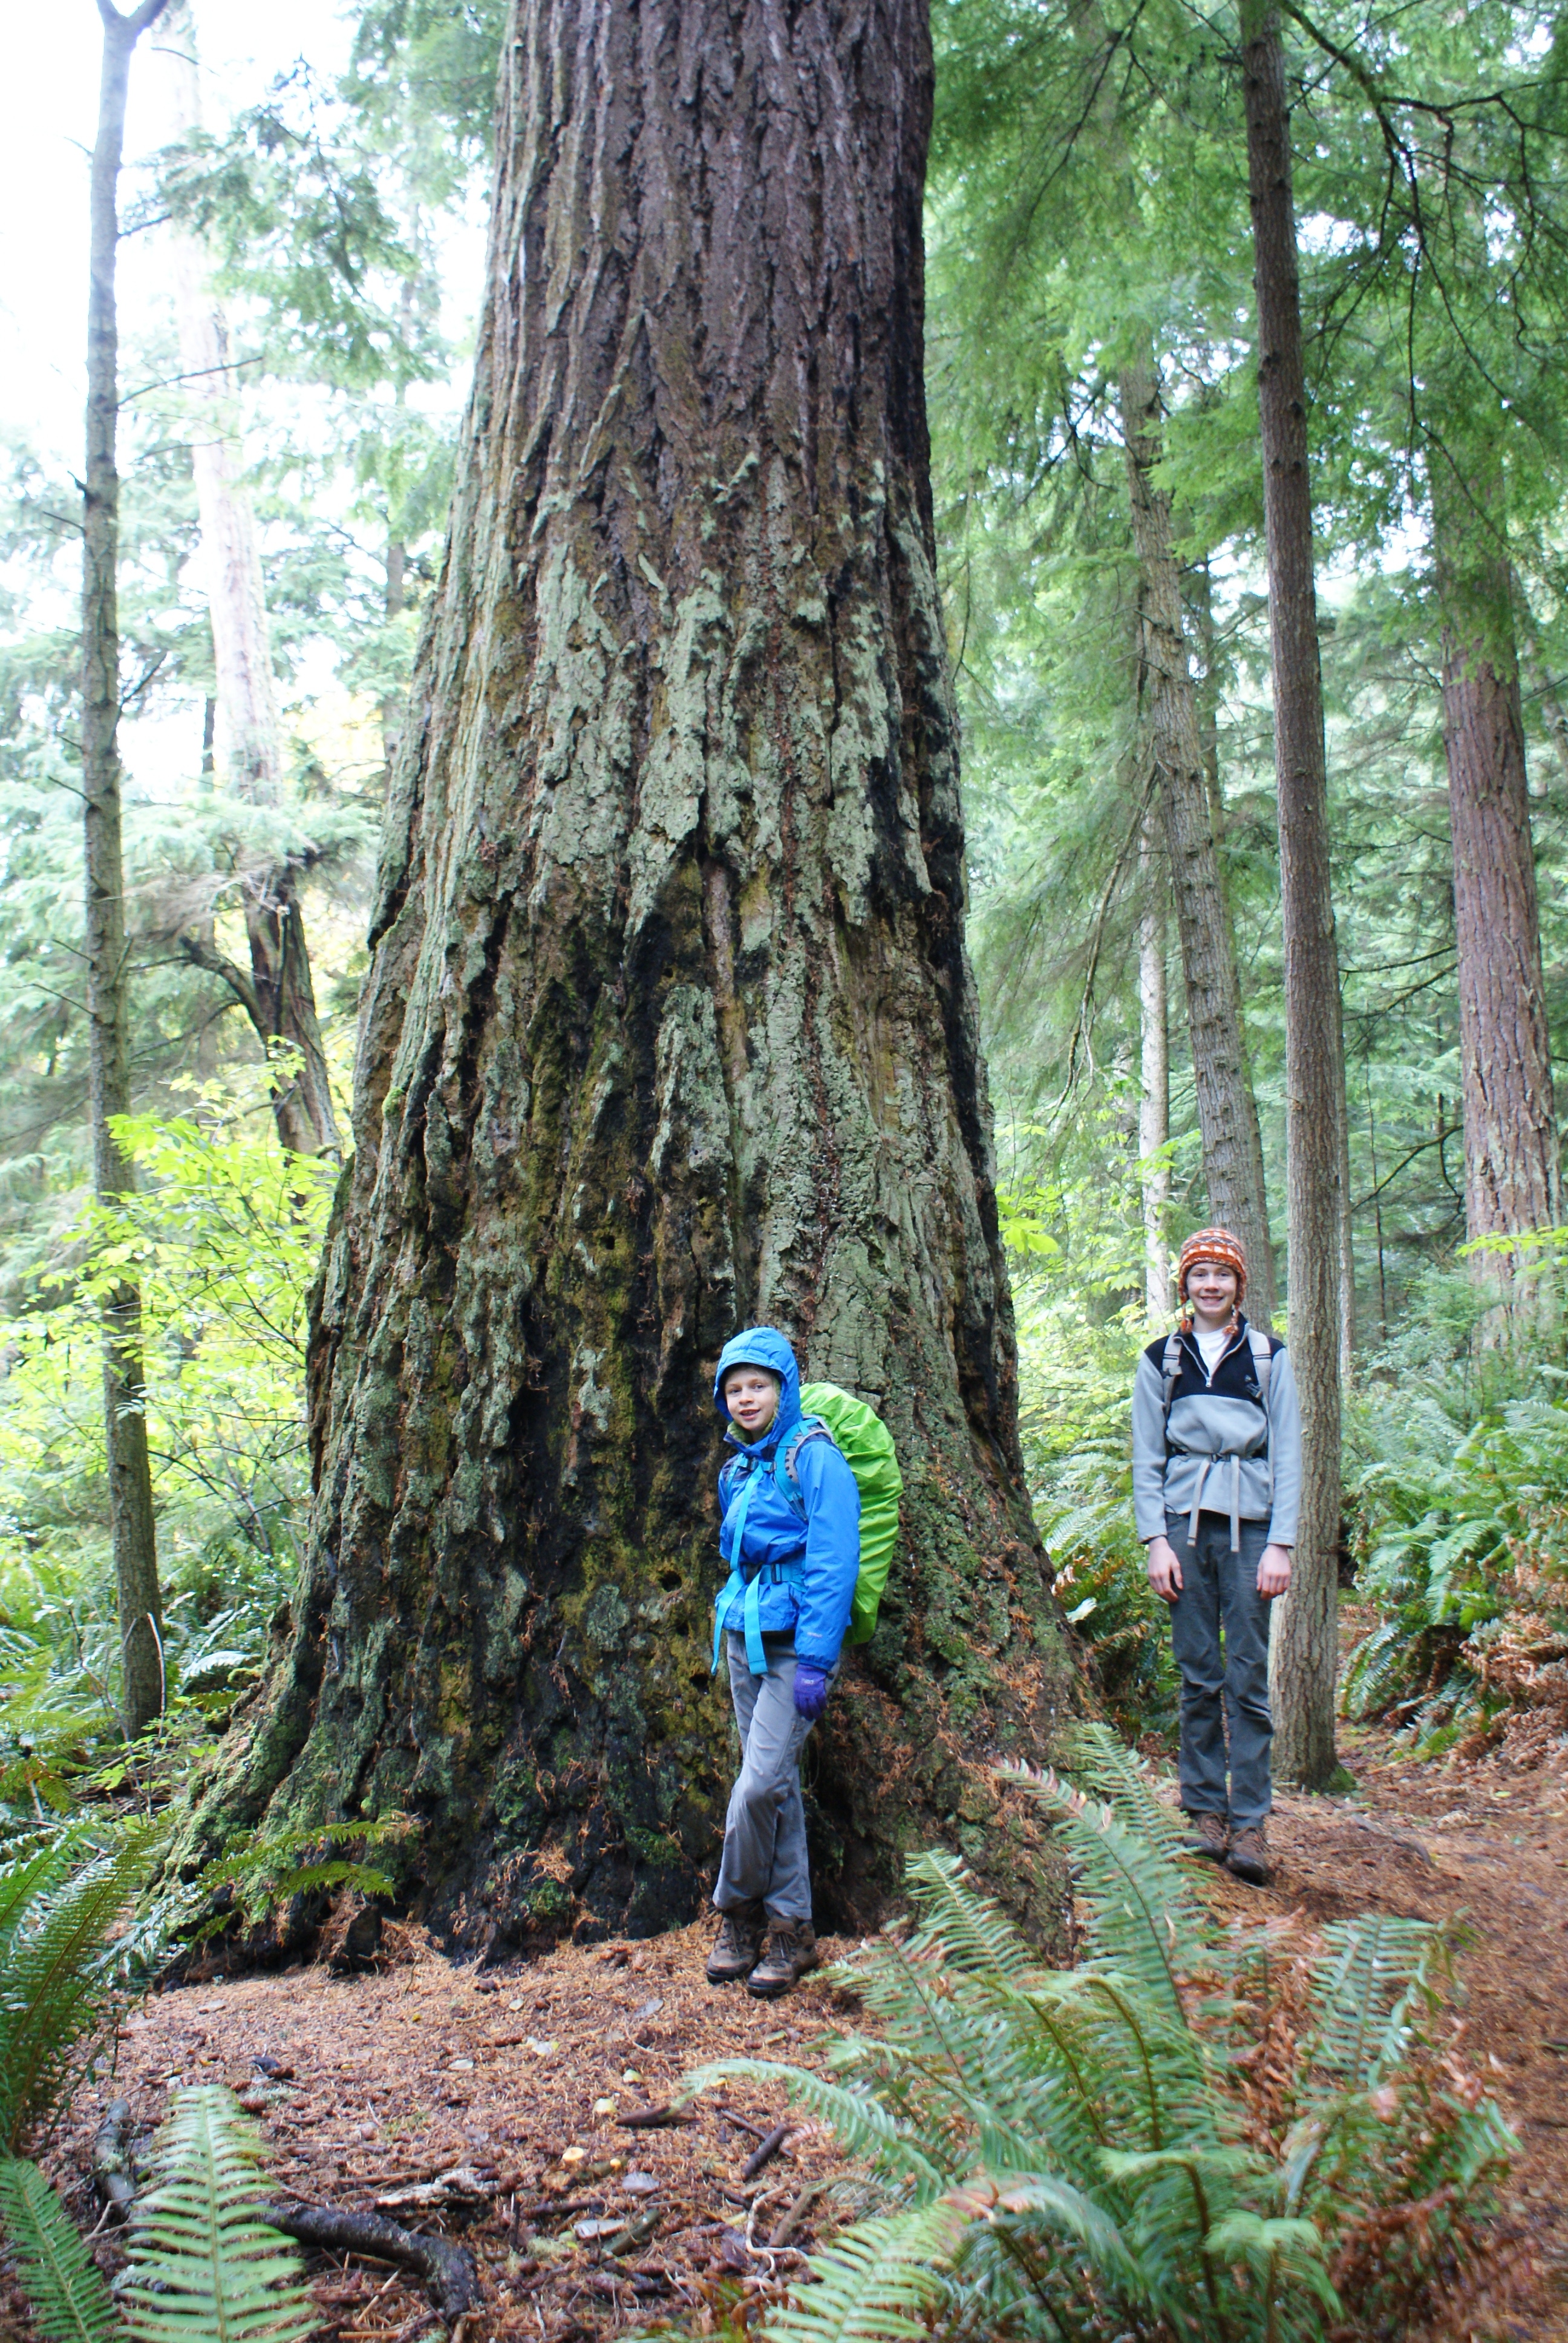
(492, 2103)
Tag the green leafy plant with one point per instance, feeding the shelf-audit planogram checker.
(63, 1949)
(205, 2267)
(1194, 2133)
(69, 2301)
(1467, 1529)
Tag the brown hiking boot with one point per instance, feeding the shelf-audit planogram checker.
(737, 1945)
(1248, 1856)
(1208, 1835)
(791, 1951)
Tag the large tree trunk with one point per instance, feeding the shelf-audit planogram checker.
(1227, 1111)
(670, 1025)
(1304, 1656)
(280, 998)
(1154, 1080)
(133, 1533)
(1512, 1168)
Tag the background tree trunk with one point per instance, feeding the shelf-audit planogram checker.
(1512, 1166)
(280, 998)
(670, 1025)
(1305, 1657)
(134, 1534)
(1154, 1078)
(1227, 1111)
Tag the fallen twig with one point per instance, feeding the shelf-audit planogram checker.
(741, 2123)
(449, 2270)
(654, 2118)
(767, 2152)
(795, 2215)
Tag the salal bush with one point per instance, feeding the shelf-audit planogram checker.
(1198, 2132)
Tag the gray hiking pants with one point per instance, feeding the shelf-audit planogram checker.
(1219, 1597)
(764, 1829)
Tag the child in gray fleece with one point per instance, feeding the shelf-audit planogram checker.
(1216, 1485)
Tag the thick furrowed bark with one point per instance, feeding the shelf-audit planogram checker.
(670, 1024)
(1304, 1650)
(1512, 1165)
(137, 1598)
(1227, 1109)
(1154, 1080)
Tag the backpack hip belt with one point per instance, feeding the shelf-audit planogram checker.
(1232, 1457)
(747, 1594)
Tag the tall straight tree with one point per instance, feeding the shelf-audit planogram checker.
(1227, 1107)
(277, 993)
(1154, 1075)
(1304, 1652)
(132, 1526)
(670, 1025)
(1512, 1179)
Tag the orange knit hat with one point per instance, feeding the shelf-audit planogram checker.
(1213, 1244)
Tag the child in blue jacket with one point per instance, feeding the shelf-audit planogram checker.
(790, 1533)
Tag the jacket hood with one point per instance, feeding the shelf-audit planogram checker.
(761, 1346)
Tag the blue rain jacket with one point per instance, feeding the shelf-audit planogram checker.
(806, 1568)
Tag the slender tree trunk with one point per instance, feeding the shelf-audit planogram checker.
(132, 1526)
(392, 707)
(280, 998)
(670, 1025)
(1227, 1111)
(1154, 1082)
(1304, 1654)
(1512, 1179)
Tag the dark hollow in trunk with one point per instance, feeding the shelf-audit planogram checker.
(670, 1025)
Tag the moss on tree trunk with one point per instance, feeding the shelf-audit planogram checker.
(670, 1025)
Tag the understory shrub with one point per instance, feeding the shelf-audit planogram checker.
(1199, 2132)
(1465, 1529)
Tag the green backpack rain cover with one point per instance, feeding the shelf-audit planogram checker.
(867, 1446)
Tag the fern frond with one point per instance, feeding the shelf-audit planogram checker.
(64, 2289)
(865, 2127)
(57, 1972)
(206, 2267)
(1362, 1988)
(1143, 1917)
(972, 1930)
(879, 2282)
(1102, 1764)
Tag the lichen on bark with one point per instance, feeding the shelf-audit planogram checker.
(670, 1025)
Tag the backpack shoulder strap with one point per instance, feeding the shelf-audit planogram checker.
(810, 1427)
(1262, 1350)
(1171, 1370)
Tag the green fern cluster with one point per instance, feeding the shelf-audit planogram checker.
(1089, 2154)
(60, 1904)
(205, 2267)
(1448, 1509)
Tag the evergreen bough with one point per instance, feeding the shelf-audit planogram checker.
(1190, 2135)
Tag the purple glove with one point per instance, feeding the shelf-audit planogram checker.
(810, 1690)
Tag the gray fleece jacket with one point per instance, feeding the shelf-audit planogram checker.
(1220, 1452)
